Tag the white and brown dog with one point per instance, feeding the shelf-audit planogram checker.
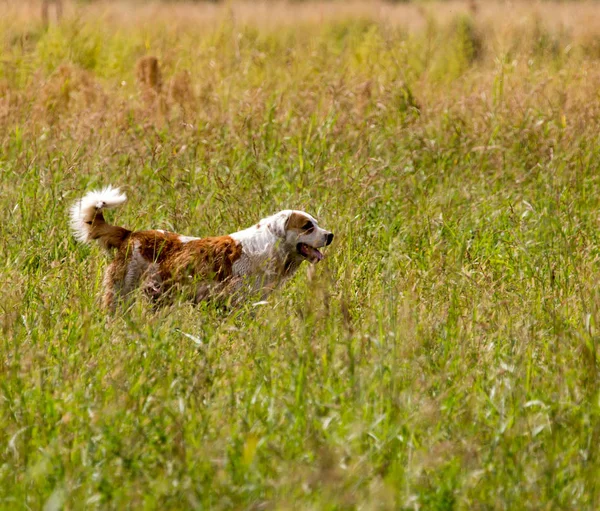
(249, 262)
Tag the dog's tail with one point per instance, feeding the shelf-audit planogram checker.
(87, 220)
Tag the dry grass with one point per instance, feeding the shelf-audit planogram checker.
(578, 18)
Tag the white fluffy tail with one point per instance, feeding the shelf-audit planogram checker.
(85, 210)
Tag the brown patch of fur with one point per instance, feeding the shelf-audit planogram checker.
(208, 257)
(160, 261)
(109, 236)
(156, 246)
(296, 221)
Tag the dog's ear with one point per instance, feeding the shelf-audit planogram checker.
(278, 223)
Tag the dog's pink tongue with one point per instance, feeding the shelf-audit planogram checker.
(313, 254)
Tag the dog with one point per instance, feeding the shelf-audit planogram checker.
(251, 262)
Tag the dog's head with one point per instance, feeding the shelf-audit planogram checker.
(300, 234)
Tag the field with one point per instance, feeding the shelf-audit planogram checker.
(444, 355)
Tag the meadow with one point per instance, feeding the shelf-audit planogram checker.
(444, 355)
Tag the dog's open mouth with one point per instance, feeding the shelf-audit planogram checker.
(310, 253)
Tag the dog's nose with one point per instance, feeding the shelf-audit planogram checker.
(329, 238)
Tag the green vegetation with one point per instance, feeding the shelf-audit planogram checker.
(445, 353)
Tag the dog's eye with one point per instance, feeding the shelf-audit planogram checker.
(308, 226)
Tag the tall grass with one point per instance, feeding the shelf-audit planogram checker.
(444, 355)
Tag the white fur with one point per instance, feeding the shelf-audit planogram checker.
(85, 209)
(258, 250)
(265, 247)
(187, 239)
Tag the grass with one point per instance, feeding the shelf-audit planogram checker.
(445, 353)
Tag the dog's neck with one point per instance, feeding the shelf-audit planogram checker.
(267, 251)
(257, 241)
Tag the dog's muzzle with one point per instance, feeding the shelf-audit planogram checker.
(312, 254)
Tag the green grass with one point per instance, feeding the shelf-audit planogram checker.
(443, 356)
